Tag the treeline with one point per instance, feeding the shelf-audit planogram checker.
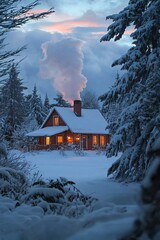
(21, 113)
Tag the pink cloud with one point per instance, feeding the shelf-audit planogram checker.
(68, 26)
(88, 19)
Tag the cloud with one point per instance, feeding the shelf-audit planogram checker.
(63, 63)
(77, 7)
(88, 19)
(97, 59)
(29, 67)
(85, 24)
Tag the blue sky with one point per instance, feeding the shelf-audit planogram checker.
(64, 52)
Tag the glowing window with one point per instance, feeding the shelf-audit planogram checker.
(59, 139)
(55, 120)
(102, 140)
(69, 139)
(77, 138)
(47, 140)
(94, 140)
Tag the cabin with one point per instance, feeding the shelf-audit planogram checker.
(72, 126)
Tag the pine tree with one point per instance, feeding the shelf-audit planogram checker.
(137, 91)
(60, 102)
(46, 104)
(147, 224)
(90, 100)
(12, 103)
(111, 110)
(36, 107)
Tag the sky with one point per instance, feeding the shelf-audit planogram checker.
(64, 53)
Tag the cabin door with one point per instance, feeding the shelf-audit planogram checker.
(85, 142)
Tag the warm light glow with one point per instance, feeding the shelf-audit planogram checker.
(77, 138)
(102, 140)
(47, 140)
(55, 121)
(60, 139)
(94, 139)
(69, 139)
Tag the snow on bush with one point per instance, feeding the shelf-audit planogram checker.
(59, 197)
(12, 183)
(13, 159)
(53, 197)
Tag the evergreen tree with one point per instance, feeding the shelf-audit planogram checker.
(113, 109)
(13, 14)
(12, 103)
(89, 100)
(36, 107)
(137, 91)
(46, 104)
(60, 102)
(147, 224)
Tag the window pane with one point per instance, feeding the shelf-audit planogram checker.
(47, 140)
(60, 139)
(94, 140)
(69, 139)
(77, 138)
(55, 121)
(102, 141)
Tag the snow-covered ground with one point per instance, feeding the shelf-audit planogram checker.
(89, 172)
(111, 217)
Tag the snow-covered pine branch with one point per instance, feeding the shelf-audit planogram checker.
(13, 14)
(136, 94)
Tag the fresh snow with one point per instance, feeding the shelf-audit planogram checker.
(87, 123)
(47, 131)
(115, 209)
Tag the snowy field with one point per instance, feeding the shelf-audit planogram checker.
(110, 218)
(89, 172)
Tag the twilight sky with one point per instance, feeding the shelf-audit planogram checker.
(64, 52)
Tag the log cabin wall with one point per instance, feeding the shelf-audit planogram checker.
(41, 140)
(85, 140)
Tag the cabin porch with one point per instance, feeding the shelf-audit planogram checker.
(68, 140)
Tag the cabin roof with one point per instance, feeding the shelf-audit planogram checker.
(91, 121)
(47, 131)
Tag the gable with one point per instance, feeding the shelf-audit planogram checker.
(49, 121)
(91, 121)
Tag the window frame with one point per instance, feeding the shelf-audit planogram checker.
(56, 117)
(59, 143)
(102, 142)
(69, 139)
(47, 140)
(95, 137)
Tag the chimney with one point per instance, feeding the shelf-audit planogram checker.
(77, 107)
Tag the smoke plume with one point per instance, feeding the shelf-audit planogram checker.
(63, 63)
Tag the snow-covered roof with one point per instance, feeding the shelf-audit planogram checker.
(47, 131)
(90, 121)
